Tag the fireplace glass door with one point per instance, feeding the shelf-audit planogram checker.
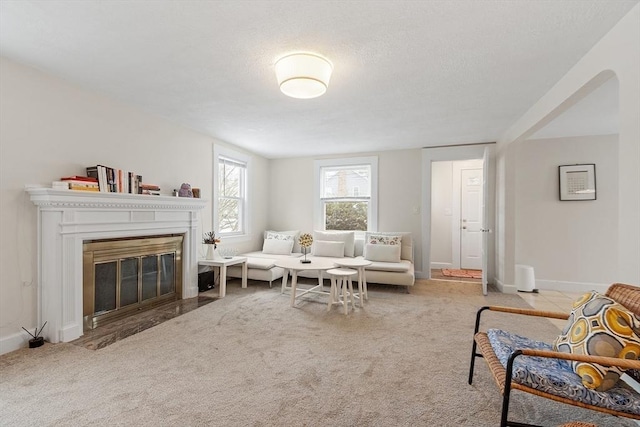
(124, 276)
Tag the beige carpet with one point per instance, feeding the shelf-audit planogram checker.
(251, 360)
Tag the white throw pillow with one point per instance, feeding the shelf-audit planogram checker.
(328, 248)
(406, 242)
(382, 253)
(293, 233)
(277, 247)
(348, 237)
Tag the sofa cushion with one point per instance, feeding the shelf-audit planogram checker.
(348, 237)
(599, 326)
(261, 263)
(328, 248)
(406, 244)
(382, 253)
(277, 247)
(399, 267)
(293, 233)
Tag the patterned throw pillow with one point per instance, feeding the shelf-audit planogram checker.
(599, 326)
(383, 240)
(278, 236)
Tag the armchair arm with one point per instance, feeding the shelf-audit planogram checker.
(529, 312)
(522, 311)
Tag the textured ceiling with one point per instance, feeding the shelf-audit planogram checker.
(407, 73)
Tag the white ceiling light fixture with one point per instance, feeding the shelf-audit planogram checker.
(303, 75)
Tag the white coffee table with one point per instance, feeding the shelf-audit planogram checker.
(222, 264)
(294, 266)
(357, 264)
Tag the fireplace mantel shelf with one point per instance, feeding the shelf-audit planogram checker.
(44, 197)
(67, 218)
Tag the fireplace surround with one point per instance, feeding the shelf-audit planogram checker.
(67, 219)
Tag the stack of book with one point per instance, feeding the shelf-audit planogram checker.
(111, 180)
(81, 183)
(151, 189)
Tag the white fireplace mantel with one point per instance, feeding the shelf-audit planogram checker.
(67, 218)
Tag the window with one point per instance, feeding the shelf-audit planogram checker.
(230, 192)
(347, 194)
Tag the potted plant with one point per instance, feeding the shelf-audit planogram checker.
(211, 241)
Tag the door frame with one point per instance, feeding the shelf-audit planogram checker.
(455, 153)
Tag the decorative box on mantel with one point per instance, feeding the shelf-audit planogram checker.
(67, 218)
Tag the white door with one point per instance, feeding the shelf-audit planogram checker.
(471, 214)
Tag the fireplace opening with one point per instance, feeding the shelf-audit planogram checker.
(128, 275)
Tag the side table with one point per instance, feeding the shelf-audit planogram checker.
(222, 264)
(358, 264)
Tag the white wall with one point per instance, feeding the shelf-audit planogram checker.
(441, 214)
(399, 194)
(570, 244)
(49, 129)
(616, 54)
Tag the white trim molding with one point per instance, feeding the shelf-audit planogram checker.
(67, 218)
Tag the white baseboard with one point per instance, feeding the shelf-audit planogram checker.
(437, 265)
(573, 287)
(13, 342)
(505, 288)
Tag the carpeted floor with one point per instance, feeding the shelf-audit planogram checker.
(251, 360)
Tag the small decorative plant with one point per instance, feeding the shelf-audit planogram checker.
(211, 239)
(37, 340)
(305, 240)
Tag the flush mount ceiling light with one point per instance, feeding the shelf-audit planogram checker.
(303, 75)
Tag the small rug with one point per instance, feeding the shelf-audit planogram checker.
(465, 274)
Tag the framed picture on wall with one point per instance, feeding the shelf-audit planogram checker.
(577, 182)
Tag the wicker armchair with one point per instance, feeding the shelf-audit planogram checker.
(532, 353)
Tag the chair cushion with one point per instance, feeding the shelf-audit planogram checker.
(555, 376)
(599, 326)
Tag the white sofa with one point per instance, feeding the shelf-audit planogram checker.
(261, 265)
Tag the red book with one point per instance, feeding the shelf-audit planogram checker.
(78, 178)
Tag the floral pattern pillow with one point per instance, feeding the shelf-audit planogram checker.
(375, 239)
(278, 236)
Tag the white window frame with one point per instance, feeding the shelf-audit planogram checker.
(318, 205)
(233, 155)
